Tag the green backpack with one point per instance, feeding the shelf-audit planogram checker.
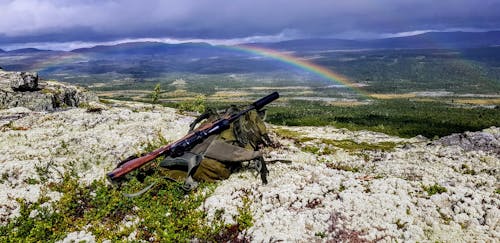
(221, 154)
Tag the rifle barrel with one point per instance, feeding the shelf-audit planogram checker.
(188, 141)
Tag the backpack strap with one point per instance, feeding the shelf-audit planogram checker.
(189, 162)
(207, 114)
(261, 167)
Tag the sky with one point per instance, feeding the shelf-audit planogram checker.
(64, 24)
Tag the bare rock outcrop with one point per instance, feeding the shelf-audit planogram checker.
(20, 81)
(23, 89)
(473, 141)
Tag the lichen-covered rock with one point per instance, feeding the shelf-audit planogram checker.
(470, 141)
(20, 81)
(25, 81)
(43, 96)
(337, 195)
(383, 199)
(93, 141)
(64, 95)
(32, 100)
(12, 114)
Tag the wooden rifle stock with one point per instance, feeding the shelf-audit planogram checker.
(178, 147)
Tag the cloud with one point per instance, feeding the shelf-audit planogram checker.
(71, 45)
(108, 20)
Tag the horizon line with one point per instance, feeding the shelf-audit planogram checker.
(74, 45)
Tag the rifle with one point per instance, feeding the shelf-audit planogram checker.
(187, 142)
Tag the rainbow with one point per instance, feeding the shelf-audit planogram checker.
(56, 60)
(302, 64)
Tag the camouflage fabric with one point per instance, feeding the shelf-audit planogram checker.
(219, 155)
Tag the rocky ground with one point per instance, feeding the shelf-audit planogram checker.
(24, 89)
(324, 184)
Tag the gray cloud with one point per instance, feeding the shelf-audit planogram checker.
(106, 20)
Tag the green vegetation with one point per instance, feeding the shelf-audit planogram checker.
(289, 134)
(350, 145)
(434, 189)
(165, 213)
(400, 224)
(468, 171)
(198, 104)
(245, 218)
(405, 118)
(420, 70)
(320, 234)
(156, 93)
(237, 79)
(342, 167)
(330, 144)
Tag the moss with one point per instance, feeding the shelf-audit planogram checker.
(320, 234)
(467, 171)
(46, 91)
(31, 181)
(351, 145)
(342, 167)
(348, 145)
(497, 191)
(4, 177)
(400, 224)
(342, 188)
(311, 149)
(286, 133)
(445, 218)
(106, 101)
(434, 189)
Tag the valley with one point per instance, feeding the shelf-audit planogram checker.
(418, 90)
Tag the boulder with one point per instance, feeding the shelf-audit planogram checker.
(47, 96)
(473, 141)
(26, 81)
(20, 81)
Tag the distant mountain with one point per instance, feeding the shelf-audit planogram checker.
(441, 40)
(312, 44)
(430, 40)
(151, 48)
(2, 51)
(27, 51)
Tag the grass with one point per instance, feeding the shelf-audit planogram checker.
(400, 117)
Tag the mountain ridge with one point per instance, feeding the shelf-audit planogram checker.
(148, 47)
(429, 40)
